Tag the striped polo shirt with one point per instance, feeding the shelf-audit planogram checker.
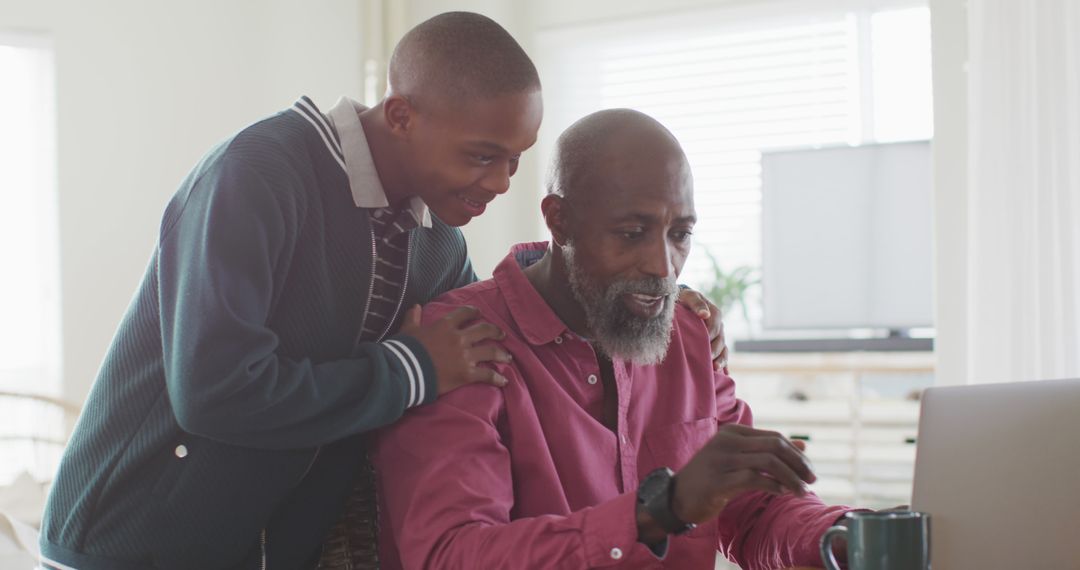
(390, 226)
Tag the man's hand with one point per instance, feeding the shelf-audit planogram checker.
(738, 459)
(455, 349)
(709, 313)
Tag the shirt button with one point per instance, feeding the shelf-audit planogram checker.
(616, 553)
(591, 379)
(181, 451)
(558, 340)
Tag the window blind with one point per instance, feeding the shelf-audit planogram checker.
(732, 83)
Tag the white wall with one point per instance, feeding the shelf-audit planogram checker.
(515, 216)
(950, 42)
(144, 89)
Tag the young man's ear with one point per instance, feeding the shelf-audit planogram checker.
(556, 216)
(399, 114)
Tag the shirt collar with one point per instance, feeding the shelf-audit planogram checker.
(367, 189)
(534, 317)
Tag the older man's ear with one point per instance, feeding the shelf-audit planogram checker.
(555, 218)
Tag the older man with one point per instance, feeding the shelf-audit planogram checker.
(611, 388)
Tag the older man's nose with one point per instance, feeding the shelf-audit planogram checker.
(658, 260)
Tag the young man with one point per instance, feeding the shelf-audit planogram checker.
(611, 388)
(224, 429)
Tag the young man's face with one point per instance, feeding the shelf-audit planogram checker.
(463, 157)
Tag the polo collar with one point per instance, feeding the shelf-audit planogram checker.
(367, 189)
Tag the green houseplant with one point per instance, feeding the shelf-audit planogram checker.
(728, 288)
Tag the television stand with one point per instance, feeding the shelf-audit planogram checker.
(891, 343)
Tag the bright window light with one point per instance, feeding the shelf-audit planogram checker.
(731, 83)
(29, 300)
(31, 433)
(900, 42)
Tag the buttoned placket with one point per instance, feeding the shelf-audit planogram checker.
(627, 454)
(627, 451)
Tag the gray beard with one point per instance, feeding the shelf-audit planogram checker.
(616, 331)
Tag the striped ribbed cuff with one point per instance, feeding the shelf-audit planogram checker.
(419, 370)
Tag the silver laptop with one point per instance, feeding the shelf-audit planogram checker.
(998, 469)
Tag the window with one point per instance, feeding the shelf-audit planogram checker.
(736, 81)
(29, 292)
(733, 82)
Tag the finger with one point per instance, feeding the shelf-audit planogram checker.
(487, 353)
(721, 361)
(764, 433)
(717, 346)
(783, 449)
(487, 376)
(742, 430)
(461, 315)
(800, 444)
(714, 322)
(748, 480)
(794, 453)
(774, 467)
(482, 331)
(411, 320)
(695, 302)
(745, 439)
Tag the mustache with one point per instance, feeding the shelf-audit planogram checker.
(654, 286)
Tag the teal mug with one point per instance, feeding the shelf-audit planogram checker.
(889, 540)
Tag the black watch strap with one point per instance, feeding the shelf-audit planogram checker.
(655, 493)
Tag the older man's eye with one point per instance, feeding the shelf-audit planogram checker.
(483, 158)
(632, 235)
(681, 236)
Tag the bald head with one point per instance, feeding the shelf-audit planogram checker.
(621, 210)
(458, 56)
(597, 150)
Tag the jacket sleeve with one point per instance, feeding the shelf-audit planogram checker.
(447, 491)
(759, 531)
(223, 255)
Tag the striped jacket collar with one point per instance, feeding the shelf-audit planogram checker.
(344, 137)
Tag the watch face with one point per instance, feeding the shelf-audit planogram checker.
(654, 494)
(654, 485)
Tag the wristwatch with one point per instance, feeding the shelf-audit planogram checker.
(654, 494)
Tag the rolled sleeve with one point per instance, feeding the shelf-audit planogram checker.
(762, 531)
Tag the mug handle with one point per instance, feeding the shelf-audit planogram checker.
(826, 546)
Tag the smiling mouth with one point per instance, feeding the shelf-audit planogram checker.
(472, 203)
(645, 305)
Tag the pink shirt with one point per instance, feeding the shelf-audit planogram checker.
(528, 476)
